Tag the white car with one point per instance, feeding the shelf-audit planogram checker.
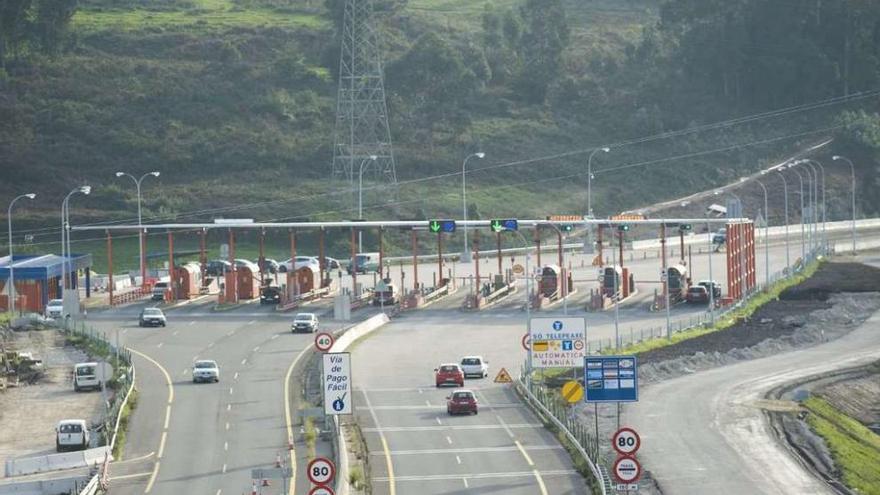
(305, 322)
(206, 370)
(54, 309)
(475, 366)
(301, 261)
(72, 434)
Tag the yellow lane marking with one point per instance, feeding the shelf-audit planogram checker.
(388, 465)
(152, 478)
(167, 416)
(162, 445)
(523, 452)
(289, 421)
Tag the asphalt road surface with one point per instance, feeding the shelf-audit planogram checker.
(705, 433)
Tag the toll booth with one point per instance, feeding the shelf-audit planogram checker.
(248, 280)
(617, 276)
(677, 282)
(187, 280)
(307, 278)
(550, 284)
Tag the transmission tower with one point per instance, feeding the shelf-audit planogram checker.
(361, 113)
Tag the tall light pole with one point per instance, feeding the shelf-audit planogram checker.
(137, 183)
(766, 236)
(785, 195)
(466, 251)
(803, 235)
(11, 260)
(822, 171)
(371, 158)
(711, 280)
(64, 234)
(590, 179)
(853, 169)
(814, 236)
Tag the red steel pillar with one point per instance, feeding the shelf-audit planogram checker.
(415, 248)
(262, 255)
(322, 260)
(203, 255)
(172, 277)
(231, 275)
(599, 231)
(110, 265)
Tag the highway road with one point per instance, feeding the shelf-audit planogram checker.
(705, 433)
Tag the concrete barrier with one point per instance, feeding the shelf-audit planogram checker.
(42, 487)
(55, 462)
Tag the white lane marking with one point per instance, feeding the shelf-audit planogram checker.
(152, 477)
(210, 345)
(227, 426)
(129, 476)
(540, 483)
(438, 421)
(420, 391)
(230, 390)
(192, 323)
(516, 474)
(458, 459)
(185, 371)
(506, 427)
(470, 450)
(523, 452)
(256, 349)
(224, 472)
(124, 331)
(448, 439)
(228, 407)
(465, 482)
(456, 427)
(159, 345)
(251, 322)
(427, 403)
(225, 445)
(174, 333)
(162, 445)
(235, 377)
(244, 361)
(389, 465)
(220, 490)
(274, 337)
(167, 416)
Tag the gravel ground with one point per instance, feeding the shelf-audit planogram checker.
(29, 413)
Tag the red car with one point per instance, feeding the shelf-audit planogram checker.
(461, 402)
(449, 373)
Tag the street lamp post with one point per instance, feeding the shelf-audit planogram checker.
(853, 169)
(65, 240)
(766, 236)
(371, 158)
(590, 179)
(803, 235)
(785, 197)
(137, 183)
(822, 171)
(466, 251)
(11, 261)
(711, 279)
(814, 191)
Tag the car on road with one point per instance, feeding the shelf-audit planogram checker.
(85, 376)
(364, 262)
(205, 370)
(331, 263)
(697, 294)
(152, 317)
(720, 237)
(714, 285)
(461, 402)
(270, 294)
(72, 434)
(301, 261)
(55, 308)
(159, 291)
(474, 366)
(385, 294)
(449, 373)
(269, 266)
(304, 322)
(217, 268)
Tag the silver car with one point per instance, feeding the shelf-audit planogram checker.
(205, 370)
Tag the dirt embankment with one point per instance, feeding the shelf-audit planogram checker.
(858, 398)
(831, 303)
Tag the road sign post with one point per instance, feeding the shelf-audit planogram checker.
(557, 342)
(626, 441)
(627, 469)
(321, 471)
(336, 383)
(323, 341)
(611, 378)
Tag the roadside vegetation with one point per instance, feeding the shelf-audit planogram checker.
(125, 416)
(854, 447)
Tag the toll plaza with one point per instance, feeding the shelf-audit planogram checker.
(38, 278)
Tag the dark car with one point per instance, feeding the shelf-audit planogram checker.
(217, 268)
(697, 294)
(710, 283)
(461, 402)
(270, 295)
(720, 237)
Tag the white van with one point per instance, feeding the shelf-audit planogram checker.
(85, 376)
(159, 291)
(72, 434)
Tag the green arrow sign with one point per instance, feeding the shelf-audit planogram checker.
(496, 226)
(434, 225)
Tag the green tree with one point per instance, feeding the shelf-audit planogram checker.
(51, 21)
(13, 27)
(543, 42)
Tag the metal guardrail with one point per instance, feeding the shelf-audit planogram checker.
(434, 294)
(574, 430)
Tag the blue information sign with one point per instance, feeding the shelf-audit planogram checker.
(611, 378)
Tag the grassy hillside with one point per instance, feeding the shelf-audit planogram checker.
(233, 101)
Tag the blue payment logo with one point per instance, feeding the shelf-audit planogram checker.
(557, 325)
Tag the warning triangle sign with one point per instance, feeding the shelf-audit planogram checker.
(503, 377)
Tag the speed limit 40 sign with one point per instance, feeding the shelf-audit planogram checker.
(321, 471)
(626, 441)
(323, 342)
